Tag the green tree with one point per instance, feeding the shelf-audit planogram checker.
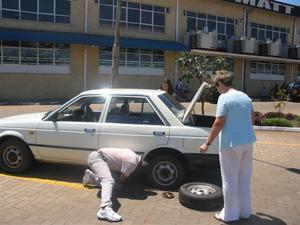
(202, 67)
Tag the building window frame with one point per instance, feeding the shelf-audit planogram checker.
(37, 14)
(31, 57)
(139, 21)
(212, 22)
(264, 31)
(262, 70)
(133, 61)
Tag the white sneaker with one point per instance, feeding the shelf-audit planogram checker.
(87, 178)
(108, 213)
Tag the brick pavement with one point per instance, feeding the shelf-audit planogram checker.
(56, 196)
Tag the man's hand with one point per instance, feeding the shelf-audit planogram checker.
(203, 148)
(122, 178)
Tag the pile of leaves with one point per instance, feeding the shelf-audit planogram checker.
(279, 119)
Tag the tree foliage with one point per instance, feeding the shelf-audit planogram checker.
(193, 65)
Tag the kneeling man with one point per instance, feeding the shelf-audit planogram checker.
(104, 163)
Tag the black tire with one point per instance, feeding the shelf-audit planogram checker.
(201, 196)
(165, 172)
(15, 156)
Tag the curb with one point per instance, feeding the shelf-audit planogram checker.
(273, 128)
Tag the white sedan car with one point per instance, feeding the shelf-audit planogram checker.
(150, 122)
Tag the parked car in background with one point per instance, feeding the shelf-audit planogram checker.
(294, 91)
(150, 122)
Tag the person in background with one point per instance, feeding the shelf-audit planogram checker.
(263, 93)
(234, 119)
(275, 90)
(166, 85)
(104, 164)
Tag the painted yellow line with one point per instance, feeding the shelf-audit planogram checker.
(45, 181)
(277, 143)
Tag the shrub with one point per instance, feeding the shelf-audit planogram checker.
(289, 116)
(297, 118)
(280, 122)
(274, 115)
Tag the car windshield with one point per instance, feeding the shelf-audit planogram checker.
(176, 108)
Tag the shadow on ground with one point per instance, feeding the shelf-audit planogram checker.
(74, 173)
(259, 219)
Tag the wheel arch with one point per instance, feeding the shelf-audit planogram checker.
(14, 136)
(166, 151)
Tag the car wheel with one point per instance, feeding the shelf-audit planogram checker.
(201, 196)
(15, 156)
(166, 172)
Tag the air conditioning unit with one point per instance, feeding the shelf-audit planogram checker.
(250, 46)
(200, 39)
(275, 48)
(238, 46)
(293, 53)
(264, 49)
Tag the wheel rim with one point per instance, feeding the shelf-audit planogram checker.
(165, 173)
(201, 190)
(12, 157)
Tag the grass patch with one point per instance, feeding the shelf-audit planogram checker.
(279, 122)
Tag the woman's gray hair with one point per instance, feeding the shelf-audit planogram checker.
(223, 76)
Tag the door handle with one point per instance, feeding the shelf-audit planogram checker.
(159, 133)
(89, 130)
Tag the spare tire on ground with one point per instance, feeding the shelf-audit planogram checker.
(201, 196)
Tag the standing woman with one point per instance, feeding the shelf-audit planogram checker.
(166, 85)
(234, 119)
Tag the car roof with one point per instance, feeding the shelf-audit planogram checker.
(124, 91)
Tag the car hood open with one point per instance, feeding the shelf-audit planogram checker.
(192, 104)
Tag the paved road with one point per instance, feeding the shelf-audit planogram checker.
(53, 194)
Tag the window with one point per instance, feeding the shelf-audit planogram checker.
(53, 11)
(200, 21)
(34, 53)
(85, 109)
(132, 110)
(142, 17)
(267, 71)
(262, 32)
(134, 58)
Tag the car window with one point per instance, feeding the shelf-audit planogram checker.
(132, 110)
(85, 109)
(176, 108)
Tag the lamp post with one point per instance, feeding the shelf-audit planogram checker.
(116, 46)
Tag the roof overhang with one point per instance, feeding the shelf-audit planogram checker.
(88, 39)
(244, 56)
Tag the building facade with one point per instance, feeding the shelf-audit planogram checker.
(54, 49)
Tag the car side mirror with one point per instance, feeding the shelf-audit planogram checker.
(53, 118)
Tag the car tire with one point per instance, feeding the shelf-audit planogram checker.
(201, 196)
(15, 156)
(165, 172)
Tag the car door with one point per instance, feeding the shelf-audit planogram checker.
(72, 132)
(133, 122)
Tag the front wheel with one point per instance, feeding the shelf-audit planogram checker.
(15, 156)
(165, 172)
